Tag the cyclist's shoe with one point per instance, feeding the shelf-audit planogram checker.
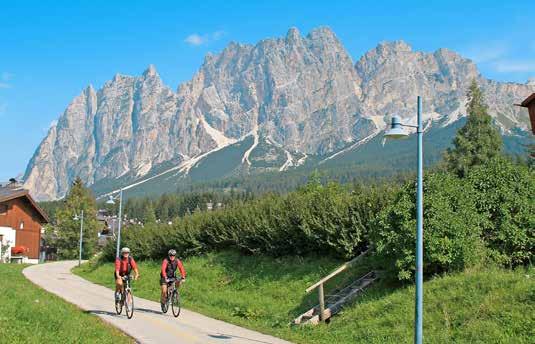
(118, 296)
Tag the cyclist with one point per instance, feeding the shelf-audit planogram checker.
(123, 267)
(169, 266)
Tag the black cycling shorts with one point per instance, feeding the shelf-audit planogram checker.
(115, 277)
(163, 281)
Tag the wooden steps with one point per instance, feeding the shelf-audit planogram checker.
(335, 303)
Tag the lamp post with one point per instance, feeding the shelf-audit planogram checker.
(112, 201)
(396, 131)
(81, 218)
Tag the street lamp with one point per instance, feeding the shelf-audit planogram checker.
(111, 200)
(81, 218)
(396, 131)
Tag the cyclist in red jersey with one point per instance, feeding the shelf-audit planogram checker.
(123, 267)
(170, 264)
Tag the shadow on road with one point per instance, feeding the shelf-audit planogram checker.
(144, 310)
(228, 336)
(141, 310)
(98, 312)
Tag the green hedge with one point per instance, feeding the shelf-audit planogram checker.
(328, 219)
(489, 215)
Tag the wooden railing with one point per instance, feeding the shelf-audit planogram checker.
(320, 283)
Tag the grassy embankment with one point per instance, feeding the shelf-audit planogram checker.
(28, 314)
(493, 306)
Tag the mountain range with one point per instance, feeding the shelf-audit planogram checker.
(273, 106)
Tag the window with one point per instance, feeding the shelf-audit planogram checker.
(21, 226)
(3, 209)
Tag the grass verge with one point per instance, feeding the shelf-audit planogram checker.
(265, 294)
(28, 314)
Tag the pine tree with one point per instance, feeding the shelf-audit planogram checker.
(68, 229)
(478, 141)
(149, 216)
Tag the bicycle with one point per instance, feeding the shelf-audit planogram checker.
(127, 299)
(173, 297)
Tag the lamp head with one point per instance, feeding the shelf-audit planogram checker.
(76, 218)
(396, 130)
(110, 200)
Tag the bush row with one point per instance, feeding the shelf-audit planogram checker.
(323, 219)
(490, 214)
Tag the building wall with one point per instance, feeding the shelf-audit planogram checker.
(531, 110)
(18, 210)
(8, 238)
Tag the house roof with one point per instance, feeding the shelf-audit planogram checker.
(9, 193)
(528, 100)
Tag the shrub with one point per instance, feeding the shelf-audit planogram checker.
(451, 227)
(505, 196)
(327, 219)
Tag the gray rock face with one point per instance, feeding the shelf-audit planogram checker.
(124, 129)
(393, 75)
(300, 94)
(301, 91)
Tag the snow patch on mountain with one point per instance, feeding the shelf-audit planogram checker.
(353, 146)
(220, 138)
(254, 133)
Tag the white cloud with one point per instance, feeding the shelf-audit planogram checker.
(196, 39)
(507, 66)
(491, 51)
(501, 57)
(217, 35)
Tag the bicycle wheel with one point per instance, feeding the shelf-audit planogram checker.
(118, 306)
(164, 305)
(129, 304)
(175, 303)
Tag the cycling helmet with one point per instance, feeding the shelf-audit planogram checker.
(172, 252)
(125, 250)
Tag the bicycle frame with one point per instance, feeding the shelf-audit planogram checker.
(126, 285)
(171, 286)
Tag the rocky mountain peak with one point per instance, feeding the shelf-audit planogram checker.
(296, 95)
(531, 82)
(322, 32)
(386, 48)
(293, 35)
(90, 89)
(150, 71)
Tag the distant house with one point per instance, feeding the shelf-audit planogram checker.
(21, 222)
(529, 103)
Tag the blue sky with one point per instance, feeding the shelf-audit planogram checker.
(51, 50)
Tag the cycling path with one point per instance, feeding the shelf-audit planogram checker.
(148, 325)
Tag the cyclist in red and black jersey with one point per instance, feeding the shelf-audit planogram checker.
(170, 265)
(123, 267)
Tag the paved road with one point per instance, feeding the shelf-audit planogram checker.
(148, 325)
